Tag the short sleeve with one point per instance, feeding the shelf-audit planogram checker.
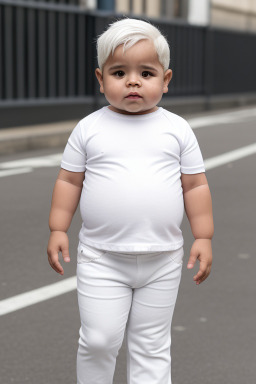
(74, 155)
(191, 156)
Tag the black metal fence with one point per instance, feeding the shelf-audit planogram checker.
(48, 52)
(231, 62)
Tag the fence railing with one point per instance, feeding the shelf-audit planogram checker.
(48, 52)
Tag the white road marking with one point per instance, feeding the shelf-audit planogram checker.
(37, 295)
(15, 167)
(12, 172)
(222, 118)
(34, 162)
(237, 154)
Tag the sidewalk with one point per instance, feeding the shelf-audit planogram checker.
(13, 140)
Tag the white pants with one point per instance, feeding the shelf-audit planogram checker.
(132, 292)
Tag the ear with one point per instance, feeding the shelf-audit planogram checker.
(99, 76)
(167, 79)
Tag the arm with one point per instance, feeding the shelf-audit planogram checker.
(65, 199)
(198, 207)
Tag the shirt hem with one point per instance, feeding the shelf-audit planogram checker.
(190, 171)
(135, 247)
(72, 168)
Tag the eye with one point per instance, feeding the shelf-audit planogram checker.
(146, 74)
(118, 73)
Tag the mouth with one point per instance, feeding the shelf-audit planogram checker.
(133, 95)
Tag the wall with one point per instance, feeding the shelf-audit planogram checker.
(234, 14)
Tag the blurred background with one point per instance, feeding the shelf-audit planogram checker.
(47, 84)
(48, 54)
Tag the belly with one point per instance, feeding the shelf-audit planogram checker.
(131, 203)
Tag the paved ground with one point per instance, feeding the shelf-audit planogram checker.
(213, 334)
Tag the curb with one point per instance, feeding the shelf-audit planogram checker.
(14, 140)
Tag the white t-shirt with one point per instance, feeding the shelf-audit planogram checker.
(132, 198)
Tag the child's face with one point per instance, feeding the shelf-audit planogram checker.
(137, 70)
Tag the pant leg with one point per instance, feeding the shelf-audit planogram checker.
(149, 323)
(104, 299)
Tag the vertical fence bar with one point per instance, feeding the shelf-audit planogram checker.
(71, 55)
(179, 55)
(190, 68)
(195, 61)
(8, 51)
(185, 62)
(31, 67)
(91, 55)
(61, 67)
(42, 57)
(20, 53)
(201, 62)
(52, 54)
(209, 62)
(81, 55)
(1, 54)
(188, 86)
(172, 38)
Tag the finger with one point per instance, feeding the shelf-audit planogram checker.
(192, 259)
(202, 271)
(204, 276)
(200, 280)
(55, 264)
(199, 275)
(207, 274)
(65, 255)
(58, 268)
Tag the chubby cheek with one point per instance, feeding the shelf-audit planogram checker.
(154, 93)
(113, 95)
(112, 89)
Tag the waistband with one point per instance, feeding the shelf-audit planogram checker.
(96, 251)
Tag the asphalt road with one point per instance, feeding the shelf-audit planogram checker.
(213, 329)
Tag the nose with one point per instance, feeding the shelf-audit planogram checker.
(133, 80)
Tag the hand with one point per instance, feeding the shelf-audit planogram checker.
(201, 250)
(58, 242)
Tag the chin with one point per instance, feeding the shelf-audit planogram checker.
(128, 110)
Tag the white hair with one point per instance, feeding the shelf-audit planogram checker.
(129, 32)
